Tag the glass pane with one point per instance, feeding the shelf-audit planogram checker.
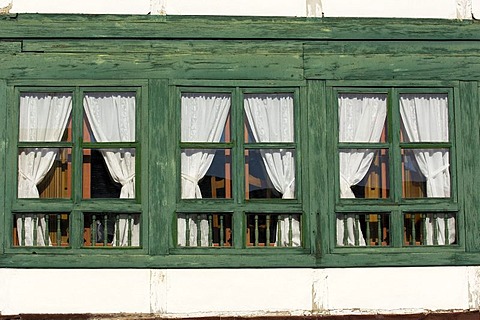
(270, 173)
(40, 229)
(363, 229)
(109, 117)
(362, 117)
(204, 230)
(424, 117)
(417, 164)
(425, 229)
(44, 173)
(206, 173)
(273, 230)
(269, 117)
(45, 117)
(364, 173)
(108, 229)
(205, 117)
(108, 173)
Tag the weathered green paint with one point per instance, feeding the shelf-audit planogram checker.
(160, 56)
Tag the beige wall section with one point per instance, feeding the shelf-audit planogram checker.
(446, 9)
(240, 292)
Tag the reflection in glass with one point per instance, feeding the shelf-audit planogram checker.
(363, 229)
(270, 173)
(417, 165)
(362, 117)
(204, 117)
(108, 229)
(364, 173)
(45, 117)
(40, 229)
(204, 230)
(108, 173)
(269, 117)
(206, 173)
(432, 228)
(44, 173)
(109, 116)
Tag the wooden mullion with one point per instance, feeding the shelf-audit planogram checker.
(5, 231)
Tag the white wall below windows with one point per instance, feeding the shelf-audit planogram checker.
(236, 292)
(443, 9)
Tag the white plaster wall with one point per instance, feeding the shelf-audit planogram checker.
(236, 292)
(446, 9)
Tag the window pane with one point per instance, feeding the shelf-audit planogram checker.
(204, 230)
(109, 116)
(363, 229)
(44, 173)
(424, 229)
(424, 117)
(273, 229)
(269, 117)
(45, 117)
(206, 173)
(205, 117)
(270, 173)
(104, 229)
(417, 165)
(361, 117)
(39, 229)
(109, 173)
(364, 173)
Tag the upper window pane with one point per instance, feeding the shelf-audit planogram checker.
(424, 117)
(362, 117)
(269, 117)
(110, 116)
(204, 117)
(45, 117)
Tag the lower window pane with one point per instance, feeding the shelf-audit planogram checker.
(363, 229)
(273, 229)
(102, 229)
(204, 230)
(426, 229)
(364, 173)
(40, 230)
(417, 164)
(44, 173)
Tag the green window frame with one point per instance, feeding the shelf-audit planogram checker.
(235, 220)
(388, 209)
(80, 213)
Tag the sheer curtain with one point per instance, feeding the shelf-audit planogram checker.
(203, 120)
(425, 119)
(112, 119)
(361, 119)
(43, 118)
(270, 117)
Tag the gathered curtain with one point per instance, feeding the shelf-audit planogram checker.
(270, 117)
(203, 119)
(43, 118)
(361, 119)
(425, 119)
(111, 117)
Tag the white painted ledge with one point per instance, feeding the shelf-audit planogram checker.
(437, 9)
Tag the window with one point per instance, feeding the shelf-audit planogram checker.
(75, 156)
(238, 170)
(394, 168)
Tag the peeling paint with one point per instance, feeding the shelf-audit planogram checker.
(473, 275)
(5, 9)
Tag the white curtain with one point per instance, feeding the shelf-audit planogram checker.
(271, 119)
(111, 117)
(203, 118)
(425, 119)
(361, 119)
(43, 117)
